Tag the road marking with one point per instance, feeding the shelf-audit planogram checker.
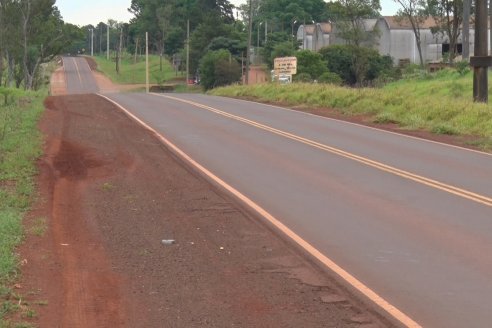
(354, 282)
(365, 126)
(77, 69)
(378, 165)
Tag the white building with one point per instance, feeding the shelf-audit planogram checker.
(393, 37)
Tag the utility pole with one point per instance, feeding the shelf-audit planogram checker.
(481, 60)
(490, 22)
(92, 42)
(147, 62)
(248, 50)
(187, 51)
(466, 29)
(118, 54)
(107, 43)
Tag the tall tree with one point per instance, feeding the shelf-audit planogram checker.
(448, 15)
(288, 14)
(42, 35)
(349, 16)
(415, 12)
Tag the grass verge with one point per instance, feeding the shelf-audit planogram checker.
(20, 145)
(134, 73)
(440, 103)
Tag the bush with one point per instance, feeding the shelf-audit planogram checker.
(330, 78)
(303, 77)
(311, 63)
(462, 67)
(339, 60)
(356, 65)
(218, 68)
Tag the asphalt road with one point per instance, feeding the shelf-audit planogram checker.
(409, 218)
(78, 76)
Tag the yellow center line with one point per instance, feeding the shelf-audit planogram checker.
(78, 72)
(351, 280)
(378, 165)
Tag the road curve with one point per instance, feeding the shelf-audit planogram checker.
(409, 218)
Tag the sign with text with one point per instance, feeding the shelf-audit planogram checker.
(285, 65)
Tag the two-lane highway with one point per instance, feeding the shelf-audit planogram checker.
(411, 219)
(78, 76)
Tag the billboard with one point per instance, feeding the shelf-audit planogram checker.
(285, 65)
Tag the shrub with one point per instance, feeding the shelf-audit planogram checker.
(339, 60)
(218, 68)
(311, 63)
(462, 67)
(330, 78)
(356, 65)
(303, 77)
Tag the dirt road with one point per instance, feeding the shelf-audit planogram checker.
(135, 239)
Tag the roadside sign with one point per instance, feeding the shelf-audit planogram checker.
(285, 65)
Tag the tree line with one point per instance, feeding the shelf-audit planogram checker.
(32, 32)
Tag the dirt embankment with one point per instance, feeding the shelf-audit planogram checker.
(111, 194)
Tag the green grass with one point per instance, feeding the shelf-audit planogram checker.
(134, 73)
(439, 103)
(20, 145)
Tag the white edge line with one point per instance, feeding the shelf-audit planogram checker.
(347, 277)
(360, 125)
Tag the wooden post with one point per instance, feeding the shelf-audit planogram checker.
(466, 29)
(187, 51)
(147, 62)
(480, 61)
(248, 48)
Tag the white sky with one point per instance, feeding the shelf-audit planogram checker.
(94, 11)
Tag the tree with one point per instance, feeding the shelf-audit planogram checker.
(356, 65)
(448, 15)
(311, 63)
(219, 68)
(42, 35)
(283, 49)
(285, 14)
(349, 16)
(415, 12)
(273, 40)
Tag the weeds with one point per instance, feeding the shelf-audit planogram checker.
(39, 227)
(20, 145)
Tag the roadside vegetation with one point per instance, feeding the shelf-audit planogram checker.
(20, 145)
(132, 72)
(439, 102)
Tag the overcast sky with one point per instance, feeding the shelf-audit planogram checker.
(94, 11)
